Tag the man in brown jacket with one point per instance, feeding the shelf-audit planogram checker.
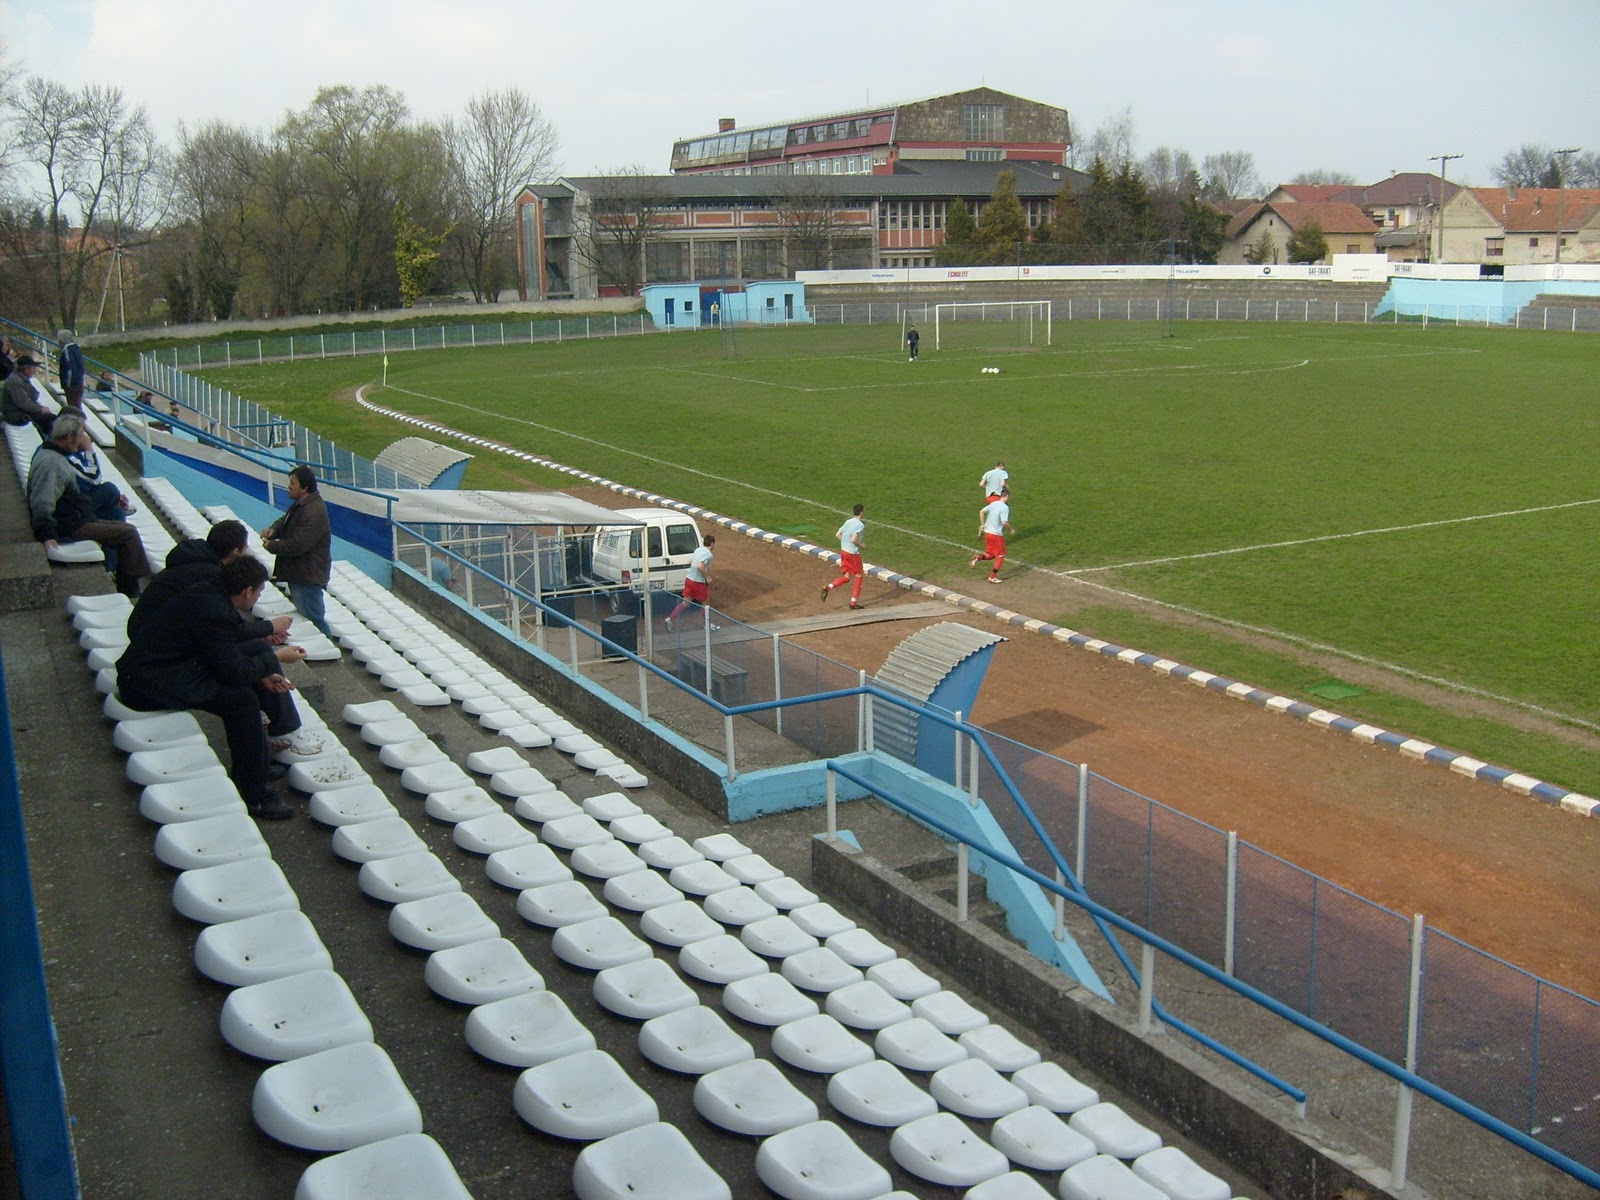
(302, 542)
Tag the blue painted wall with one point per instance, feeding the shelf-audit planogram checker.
(1484, 301)
(770, 301)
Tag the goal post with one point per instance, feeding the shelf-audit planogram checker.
(991, 324)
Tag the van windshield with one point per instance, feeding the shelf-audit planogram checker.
(681, 539)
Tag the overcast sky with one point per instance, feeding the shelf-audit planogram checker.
(1366, 89)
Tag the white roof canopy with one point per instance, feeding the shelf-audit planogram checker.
(425, 506)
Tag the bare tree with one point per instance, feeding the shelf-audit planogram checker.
(626, 209)
(284, 228)
(1528, 166)
(1321, 176)
(503, 142)
(1230, 175)
(1112, 142)
(214, 175)
(810, 215)
(1583, 170)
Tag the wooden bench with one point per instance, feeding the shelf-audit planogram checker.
(729, 681)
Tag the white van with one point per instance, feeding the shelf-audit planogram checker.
(671, 538)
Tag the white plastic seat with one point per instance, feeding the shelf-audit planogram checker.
(568, 833)
(526, 1029)
(543, 807)
(108, 602)
(476, 699)
(641, 990)
(621, 774)
(113, 709)
(595, 758)
(668, 853)
(524, 733)
(949, 1012)
(598, 943)
(146, 767)
(327, 774)
(417, 752)
(651, 1160)
(787, 894)
(158, 732)
(1049, 1085)
(819, 1044)
(385, 837)
(406, 877)
(903, 980)
(500, 758)
(335, 1100)
(692, 1041)
(1000, 1048)
(1113, 1131)
(481, 972)
(918, 1045)
(523, 867)
(1179, 1176)
(471, 689)
(579, 743)
(519, 782)
(768, 999)
(114, 639)
(351, 805)
(738, 906)
(942, 1149)
(751, 869)
(452, 805)
(752, 1097)
(611, 806)
(720, 960)
(821, 920)
(1039, 1140)
(702, 878)
(678, 924)
(397, 731)
(583, 1097)
(76, 552)
(639, 891)
(411, 1166)
(439, 922)
(230, 837)
(973, 1088)
(1103, 1176)
(860, 948)
(556, 904)
(819, 970)
(608, 859)
(293, 1016)
(434, 777)
(402, 676)
(426, 695)
(230, 891)
(720, 847)
(819, 1161)
(256, 949)
(105, 617)
(776, 937)
(1013, 1185)
(866, 1006)
(190, 800)
(492, 833)
(878, 1093)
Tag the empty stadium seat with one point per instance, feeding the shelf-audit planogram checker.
(293, 1016)
(692, 1041)
(481, 972)
(819, 1161)
(650, 1160)
(752, 1097)
(411, 1166)
(256, 949)
(582, 1097)
(526, 1029)
(942, 1149)
(335, 1100)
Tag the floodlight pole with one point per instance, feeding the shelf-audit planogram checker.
(1561, 202)
(1443, 160)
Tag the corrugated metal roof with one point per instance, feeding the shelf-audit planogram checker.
(419, 459)
(920, 663)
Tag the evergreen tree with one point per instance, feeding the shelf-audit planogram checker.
(1204, 228)
(1003, 227)
(1100, 215)
(1135, 214)
(960, 236)
(1307, 244)
(1263, 251)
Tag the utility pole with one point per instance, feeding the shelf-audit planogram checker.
(1444, 159)
(1561, 202)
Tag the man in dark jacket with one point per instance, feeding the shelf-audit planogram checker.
(187, 654)
(19, 399)
(303, 543)
(69, 367)
(62, 513)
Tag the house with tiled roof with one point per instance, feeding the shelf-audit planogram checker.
(1303, 193)
(1347, 229)
(1403, 208)
(1522, 226)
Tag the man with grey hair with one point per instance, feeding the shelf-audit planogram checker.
(62, 513)
(69, 367)
(19, 399)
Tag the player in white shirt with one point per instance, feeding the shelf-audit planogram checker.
(994, 482)
(850, 537)
(697, 583)
(994, 522)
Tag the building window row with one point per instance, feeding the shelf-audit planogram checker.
(911, 214)
(829, 131)
(984, 122)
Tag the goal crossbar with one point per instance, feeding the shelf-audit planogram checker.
(1029, 319)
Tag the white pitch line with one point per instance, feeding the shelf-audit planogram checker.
(1336, 537)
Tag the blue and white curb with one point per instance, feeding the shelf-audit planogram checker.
(1461, 764)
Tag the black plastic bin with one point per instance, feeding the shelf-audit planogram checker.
(622, 630)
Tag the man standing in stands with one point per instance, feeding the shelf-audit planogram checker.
(19, 400)
(186, 653)
(62, 513)
(69, 367)
(302, 540)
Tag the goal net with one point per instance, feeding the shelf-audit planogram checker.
(991, 324)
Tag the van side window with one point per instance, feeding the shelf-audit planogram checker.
(681, 539)
(633, 544)
(655, 541)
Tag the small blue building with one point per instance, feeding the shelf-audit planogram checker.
(706, 303)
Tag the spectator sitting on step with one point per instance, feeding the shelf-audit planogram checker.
(19, 399)
(103, 384)
(62, 513)
(196, 560)
(186, 654)
(106, 498)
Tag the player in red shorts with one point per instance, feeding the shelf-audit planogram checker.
(697, 583)
(850, 536)
(994, 522)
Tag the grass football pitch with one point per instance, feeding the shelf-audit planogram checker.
(1423, 499)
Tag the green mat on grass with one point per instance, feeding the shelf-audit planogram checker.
(1334, 689)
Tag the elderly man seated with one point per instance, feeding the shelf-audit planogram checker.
(19, 399)
(62, 513)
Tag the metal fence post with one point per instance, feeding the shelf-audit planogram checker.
(1082, 849)
(572, 642)
(1402, 1111)
(972, 771)
(962, 852)
(861, 712)
(1147, 986)
(955, 778)
(727, 741)
(833, 804)
(1230, 911)
(777, 679)
(1061, 906)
